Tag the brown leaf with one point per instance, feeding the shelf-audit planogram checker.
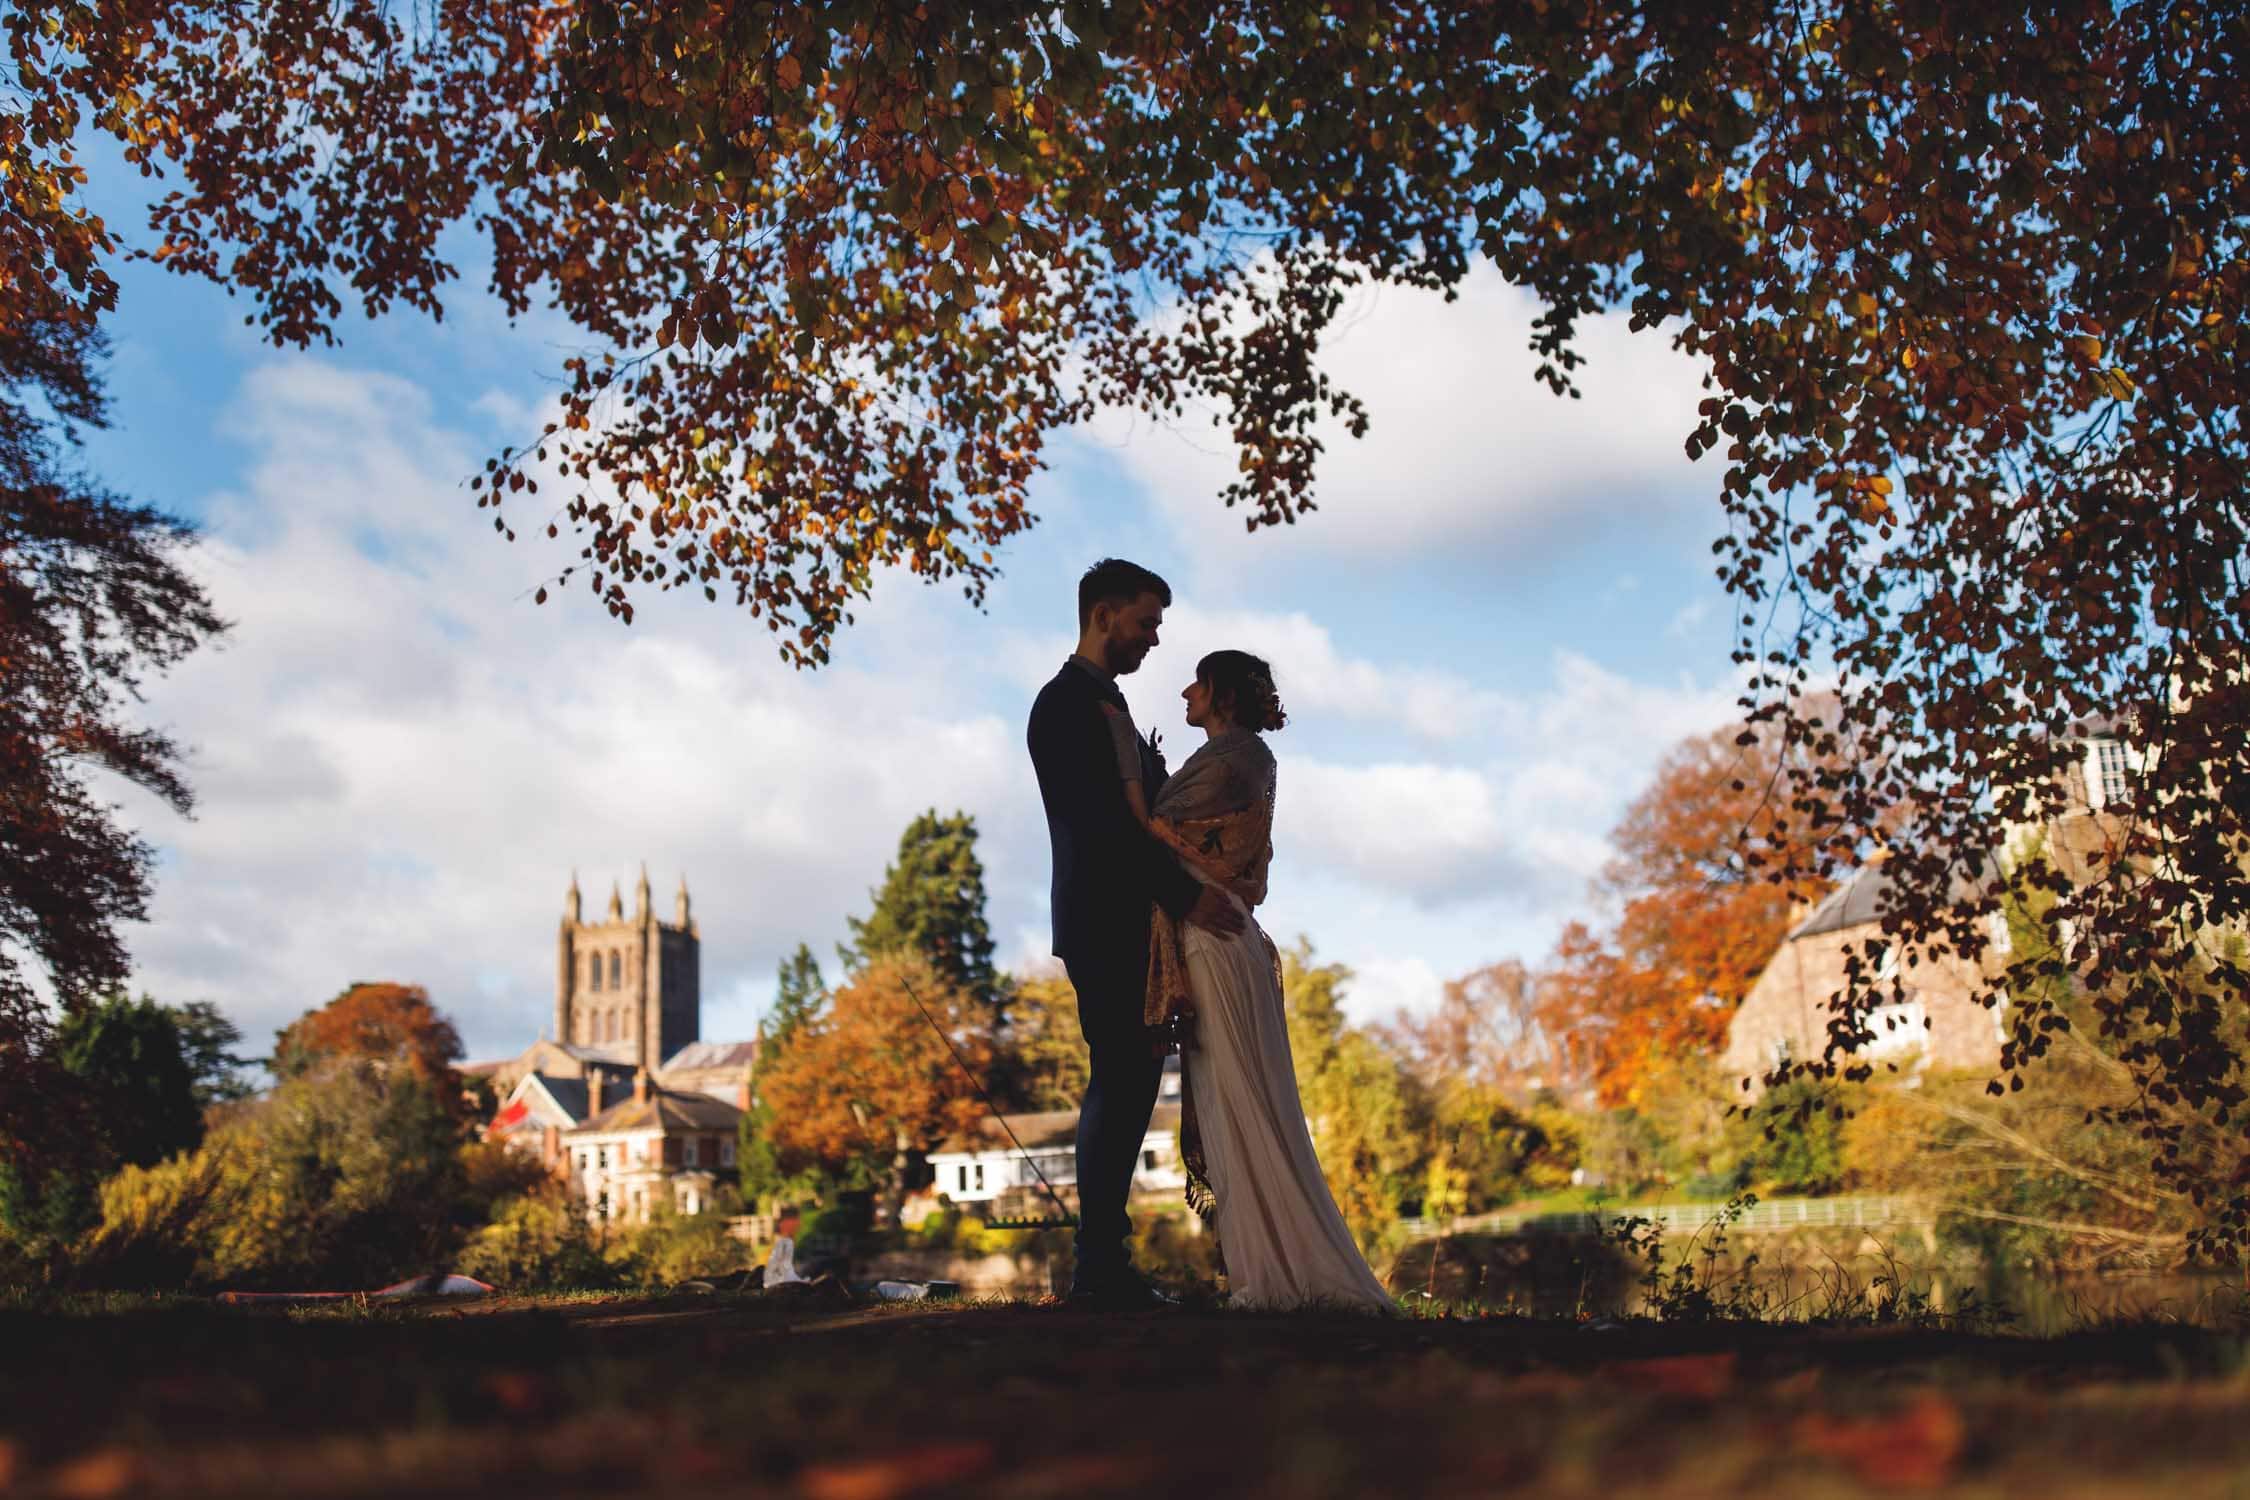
(1913, 1448)
(896, 1474)
(1701, 1377)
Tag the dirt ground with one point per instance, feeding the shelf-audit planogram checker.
(749, 1395)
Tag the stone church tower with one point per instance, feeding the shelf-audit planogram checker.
(632, 985)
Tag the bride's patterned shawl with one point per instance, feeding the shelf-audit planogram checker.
(1217, 815)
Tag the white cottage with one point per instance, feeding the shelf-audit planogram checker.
(985, 1164)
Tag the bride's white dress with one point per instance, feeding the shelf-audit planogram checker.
(1285, 1243)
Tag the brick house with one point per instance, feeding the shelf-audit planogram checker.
(657, 1144)
(1937, 1023)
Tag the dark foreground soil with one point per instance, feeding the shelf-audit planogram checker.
(743, 1395)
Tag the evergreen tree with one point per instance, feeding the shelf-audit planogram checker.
(932, 904)
(124, 1077)
(800, 995)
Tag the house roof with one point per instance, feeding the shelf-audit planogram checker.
(1047, 1128)
(1860, 901)
(667, 1111)
(606, 1052)
(712, 1055)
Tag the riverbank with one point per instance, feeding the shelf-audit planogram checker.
(798, 1396)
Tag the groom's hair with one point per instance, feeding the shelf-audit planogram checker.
(1113, 580)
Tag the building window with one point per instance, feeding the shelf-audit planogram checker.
(962, 1184)
(2106, 773)
(617, 971)
(689, 1154)
(593, 971)
(1996, 928)
(601, 1157)
(1148, 1160)
(726, 1150)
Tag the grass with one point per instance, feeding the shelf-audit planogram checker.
(748, 1394)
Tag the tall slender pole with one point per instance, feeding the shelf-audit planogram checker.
(1070, 1219)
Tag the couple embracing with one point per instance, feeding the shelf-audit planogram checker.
(1154, 879)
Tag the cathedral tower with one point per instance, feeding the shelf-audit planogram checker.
(630, 985)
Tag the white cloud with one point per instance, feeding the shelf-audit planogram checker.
(1382, 987)
(1317, 679)
(400, 759)
(1465, 452)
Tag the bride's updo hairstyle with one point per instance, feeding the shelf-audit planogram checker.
(1242, 685)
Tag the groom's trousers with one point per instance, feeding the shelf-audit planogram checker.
(1113, 1122)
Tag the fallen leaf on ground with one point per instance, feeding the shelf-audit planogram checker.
(1913, 1448)
(1705, 1377)
(896, 1474)
(112, 1471)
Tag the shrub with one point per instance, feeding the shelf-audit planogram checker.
(540, 1241)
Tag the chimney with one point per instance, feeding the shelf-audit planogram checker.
(742, 1094)
(550, 1148)
(640, 1086)
(593, 1092)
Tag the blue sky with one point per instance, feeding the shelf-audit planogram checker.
(1501, 615)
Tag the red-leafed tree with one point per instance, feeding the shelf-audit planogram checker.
(388, 1023)
(874, 1077)
(1697, 915)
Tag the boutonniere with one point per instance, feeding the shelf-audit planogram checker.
(1156, 748)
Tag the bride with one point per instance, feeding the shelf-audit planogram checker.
(1243, 1127)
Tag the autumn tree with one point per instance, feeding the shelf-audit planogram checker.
(390, 1024)
(349, 1174)
(1043, 1049)
(879, 1075)
(1488, 1075)
(1967, 282)
(1697, 912)
(1364, 1114)
(932, 903)
(800, 995)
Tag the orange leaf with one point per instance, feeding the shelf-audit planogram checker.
(1914, 1448)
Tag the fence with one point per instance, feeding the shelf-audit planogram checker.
(1687, 1218)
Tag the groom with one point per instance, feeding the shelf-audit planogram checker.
(1108, 868)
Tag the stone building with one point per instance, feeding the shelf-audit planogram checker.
(653, 1145)
(1936, 1024)
(629, 979)
(626, 1101)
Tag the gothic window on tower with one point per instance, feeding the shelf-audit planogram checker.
(593, 971)
(617, 971)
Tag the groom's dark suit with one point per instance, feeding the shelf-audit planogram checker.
(1107, 870)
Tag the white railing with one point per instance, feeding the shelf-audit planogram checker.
(1687, 1218)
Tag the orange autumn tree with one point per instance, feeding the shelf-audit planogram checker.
(870, 1079)
(383, 1022)
(1698, 915)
